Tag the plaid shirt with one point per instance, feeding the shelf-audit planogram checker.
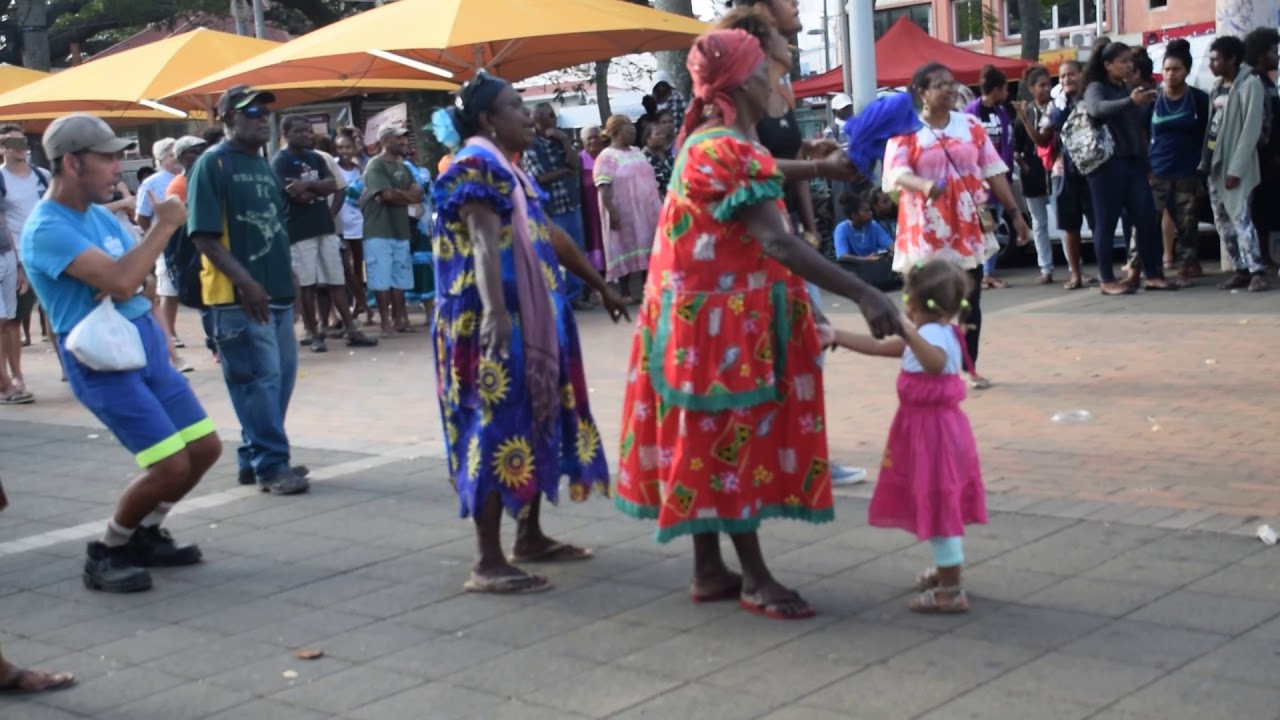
(677, 105)
(544, 156)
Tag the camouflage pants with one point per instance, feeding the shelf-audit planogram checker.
(1179, 196)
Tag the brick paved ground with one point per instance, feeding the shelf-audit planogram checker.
(1092, 598)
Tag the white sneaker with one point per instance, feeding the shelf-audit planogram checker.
(842, 476)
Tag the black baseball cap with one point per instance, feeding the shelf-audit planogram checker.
(242, 96)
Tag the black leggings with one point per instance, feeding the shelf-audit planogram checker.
(972, 318)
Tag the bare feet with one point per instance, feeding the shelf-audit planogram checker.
(17, 680)
(773, 600)
(725, 585)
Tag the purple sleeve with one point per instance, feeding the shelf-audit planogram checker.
(1006, 136)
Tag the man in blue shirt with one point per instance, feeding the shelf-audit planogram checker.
(76, 253)
(860, 238)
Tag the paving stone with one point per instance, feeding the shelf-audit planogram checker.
(462, 611)
(112, 690)
(989, 703)
(803, 712)
(152, 644)
(1099, 597)
(879, 693)
(603, 599)
(29, 709)
(1034, 627)
(844, 595)
(605, 640)
(1206, 547)
(962, 659)
(1247, 660)
(674, 611)
(520, 710)
(1131, 642)
(1187, 695)
(347, 690)
(1145, 566)
(781, 675)
(190, 701)
(329, 591)
(197, 662)
(1242, 581)
(262, 709)
(987, 581)
(712, 703)
(307, 627)
(1202, 611)
(597, 692)
(443, 656)
(1074, 679)
(824, 558)
(105, 627)
(369, 642)
(509, 675)
(267, 676)
(439, 701)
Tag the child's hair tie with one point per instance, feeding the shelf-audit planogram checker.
(905, 298)
(920, 265)
(964, 304)
(931, 304)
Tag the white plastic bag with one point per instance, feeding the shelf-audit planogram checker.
(106, 341)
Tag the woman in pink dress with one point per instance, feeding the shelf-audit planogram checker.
(946, 172)
(930, 481)
(629, 207)
(592, 145)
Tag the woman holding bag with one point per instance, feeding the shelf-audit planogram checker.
(944, 171)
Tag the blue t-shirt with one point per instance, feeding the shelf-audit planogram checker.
(54, 236)
(1177, 133)
(863, 241)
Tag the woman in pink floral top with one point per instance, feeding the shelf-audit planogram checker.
(947, 171)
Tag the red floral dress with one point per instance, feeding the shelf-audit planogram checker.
(722, 423)
(961, 157)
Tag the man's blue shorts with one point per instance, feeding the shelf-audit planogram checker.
(153, 411)
(388, 264)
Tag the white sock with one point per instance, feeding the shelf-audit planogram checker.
(158, 515)
(116, 534)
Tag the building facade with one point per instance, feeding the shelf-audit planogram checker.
(994, 27)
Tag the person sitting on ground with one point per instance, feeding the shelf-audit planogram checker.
(860, 238)
(886, 211)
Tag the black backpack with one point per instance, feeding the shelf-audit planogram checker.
(42, 183)
(184, 260)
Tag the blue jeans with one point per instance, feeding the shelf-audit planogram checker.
(1118, 186)
(571, 223)
(260, 366)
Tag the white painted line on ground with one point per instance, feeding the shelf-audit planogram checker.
(88, 530)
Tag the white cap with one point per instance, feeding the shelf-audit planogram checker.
(840, 101)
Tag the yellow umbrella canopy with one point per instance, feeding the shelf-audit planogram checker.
(451, 39)
(132, 81)
(15, 76)
(301, 93)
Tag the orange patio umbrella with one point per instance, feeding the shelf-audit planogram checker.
(451, 39)
(124, 84)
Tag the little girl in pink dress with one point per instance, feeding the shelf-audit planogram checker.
(930, 482)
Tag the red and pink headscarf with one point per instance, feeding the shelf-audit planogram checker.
(719, 63)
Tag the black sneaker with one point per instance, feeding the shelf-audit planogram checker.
(114, 570)
(285, 483)
(153, 546)
(247, 477)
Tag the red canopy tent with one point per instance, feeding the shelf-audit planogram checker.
(905, 47)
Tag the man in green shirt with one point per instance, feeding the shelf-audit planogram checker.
(389, 191)
(236, 209)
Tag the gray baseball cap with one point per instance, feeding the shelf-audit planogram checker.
(187, 142)
(76, 133)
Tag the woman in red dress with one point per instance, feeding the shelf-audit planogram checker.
(723, 419)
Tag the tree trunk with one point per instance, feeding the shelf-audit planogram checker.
(673, 61)
(1029, 16)
(32, 19)
(602, 90)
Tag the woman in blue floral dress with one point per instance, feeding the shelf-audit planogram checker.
(512, 389)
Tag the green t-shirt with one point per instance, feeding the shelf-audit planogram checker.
(382, 220)
(236, 196)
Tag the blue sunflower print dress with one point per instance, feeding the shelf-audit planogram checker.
(485, 408)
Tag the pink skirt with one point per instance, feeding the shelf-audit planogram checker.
(930, 480)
